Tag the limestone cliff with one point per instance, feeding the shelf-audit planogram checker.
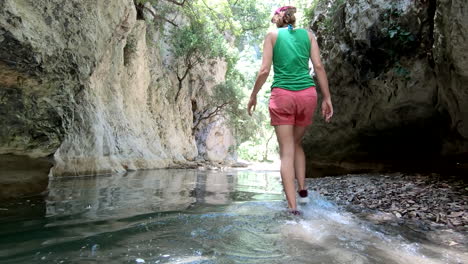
(398, 72)
(86, 88)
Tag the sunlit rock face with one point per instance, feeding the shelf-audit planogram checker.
(131, 121)
(397, 73)
(213, 136)
(216, 142)
(91, 88)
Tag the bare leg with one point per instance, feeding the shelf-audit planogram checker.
(285, 135)
(299, 157)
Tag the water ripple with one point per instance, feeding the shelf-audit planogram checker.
(144, 217)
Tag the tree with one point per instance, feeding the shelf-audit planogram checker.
(140, 7)
(195, 44)
(220, 29)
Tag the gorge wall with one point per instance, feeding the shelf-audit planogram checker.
(398, 73)
(86, 88)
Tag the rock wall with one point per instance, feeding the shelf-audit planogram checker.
(88, 88)
(450, 53)
(397, 72)
(215, 140)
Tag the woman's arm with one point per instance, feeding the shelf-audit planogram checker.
(264, 71)
(327, 107)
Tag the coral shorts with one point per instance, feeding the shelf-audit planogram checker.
(292, 107)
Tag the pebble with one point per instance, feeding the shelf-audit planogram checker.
(431, 200)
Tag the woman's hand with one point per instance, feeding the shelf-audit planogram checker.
(252, 104)
(327, 109)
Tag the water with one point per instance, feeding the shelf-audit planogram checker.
(191, 216)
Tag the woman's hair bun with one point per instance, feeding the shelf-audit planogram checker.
(288, 17)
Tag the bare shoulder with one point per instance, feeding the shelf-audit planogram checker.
(272, 36)
(312, 38)
(310, 33)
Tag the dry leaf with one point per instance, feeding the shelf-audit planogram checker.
(456, 214)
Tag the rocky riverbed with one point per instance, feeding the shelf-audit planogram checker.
(429, 204)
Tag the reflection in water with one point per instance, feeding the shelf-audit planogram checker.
(122, 195)
(190, 216)
(215, 187)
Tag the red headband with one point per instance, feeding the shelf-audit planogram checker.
(281, 9)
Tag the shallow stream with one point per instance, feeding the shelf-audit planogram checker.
(193, 216)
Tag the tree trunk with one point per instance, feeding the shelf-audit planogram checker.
(265, 154)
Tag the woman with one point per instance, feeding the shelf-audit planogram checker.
(293, 97)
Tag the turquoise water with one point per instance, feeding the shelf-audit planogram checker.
(191, 216)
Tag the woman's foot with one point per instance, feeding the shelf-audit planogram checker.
(295, 212)
(303, 193)
(303, 196)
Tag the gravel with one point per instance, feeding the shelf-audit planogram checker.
(423, 202)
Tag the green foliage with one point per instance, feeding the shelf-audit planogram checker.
(243, 23)
(226, 30)
(197, 42)
(309, 10)
(393, 28)
(229, 92)
(337, 4)
(397, 40)
(257, 150)
(328, 23)
(252, 18)
(255, 130)
(402, 71)
(396, 31)
(309, 16)
(305, 12)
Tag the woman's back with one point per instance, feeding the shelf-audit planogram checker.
(291, 55)
(293, 99)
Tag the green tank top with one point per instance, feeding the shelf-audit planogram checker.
(291, 55)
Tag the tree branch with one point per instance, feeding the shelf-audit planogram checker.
(177, 3)
(217, 109)
(182, 78)
(157, 16)
(265, 154)
(207, 6)
(252, 28)
(187, 69)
